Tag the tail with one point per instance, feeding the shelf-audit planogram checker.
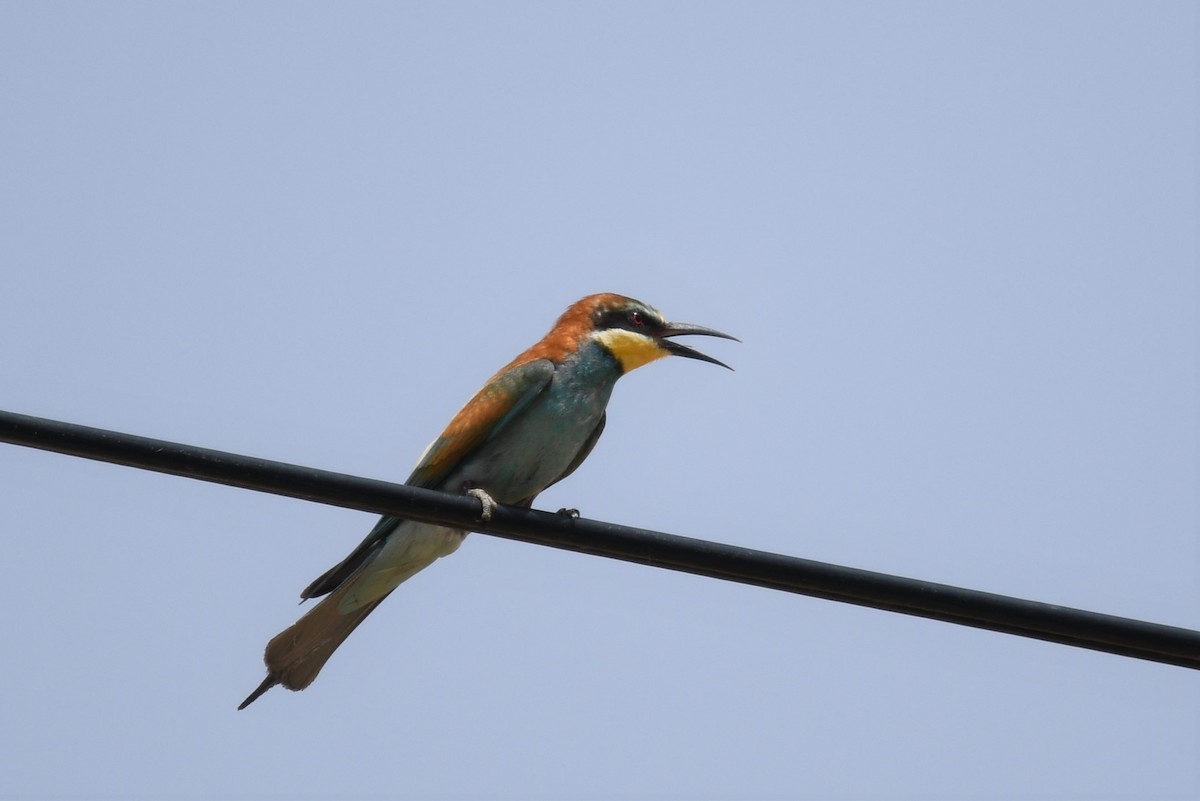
(296, 655)
(352, 589)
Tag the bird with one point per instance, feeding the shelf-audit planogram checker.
(530, 426)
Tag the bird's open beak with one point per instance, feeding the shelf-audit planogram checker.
(676, 349)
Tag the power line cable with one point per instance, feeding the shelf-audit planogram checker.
(1117, 635)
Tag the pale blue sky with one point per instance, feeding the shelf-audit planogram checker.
(958, 241)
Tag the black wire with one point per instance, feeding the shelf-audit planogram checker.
(1116, 635)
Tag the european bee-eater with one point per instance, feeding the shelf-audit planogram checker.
(530, 426)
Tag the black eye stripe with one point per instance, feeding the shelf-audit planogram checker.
(629, 319)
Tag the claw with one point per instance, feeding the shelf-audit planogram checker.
(571, 513)
(487, 501)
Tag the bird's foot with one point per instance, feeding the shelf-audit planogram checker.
(571, 513)
(487, 501)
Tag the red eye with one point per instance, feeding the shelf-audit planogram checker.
(637, 319)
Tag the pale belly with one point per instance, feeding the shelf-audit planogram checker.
(412, 547)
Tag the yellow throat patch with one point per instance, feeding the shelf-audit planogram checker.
(631, 349)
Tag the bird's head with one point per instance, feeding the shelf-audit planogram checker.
(633, 332)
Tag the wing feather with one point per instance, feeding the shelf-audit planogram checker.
(481, 419)
(485, 415)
